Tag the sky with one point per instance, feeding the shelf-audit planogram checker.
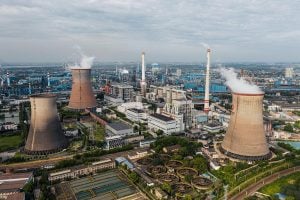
(167, 30)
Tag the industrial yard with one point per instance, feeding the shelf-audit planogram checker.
(109, 185)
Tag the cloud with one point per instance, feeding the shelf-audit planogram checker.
(234, 25)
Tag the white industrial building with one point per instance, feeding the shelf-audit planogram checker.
(164, 123)
(129, 105)
(136, 115)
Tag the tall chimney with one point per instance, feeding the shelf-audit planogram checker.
(48, 76)
(206, 98)
(143, 81)
(8, 79)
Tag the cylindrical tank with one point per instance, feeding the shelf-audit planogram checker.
(245, 138)
(82, 94)
(45, 134)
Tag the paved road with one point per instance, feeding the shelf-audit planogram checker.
(256, 186)
(40, 163)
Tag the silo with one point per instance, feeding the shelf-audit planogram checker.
(245, 138)
(45, 134)
(82, 94)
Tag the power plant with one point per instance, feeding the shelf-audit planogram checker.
(245, 138)
(206, 98)
(45, 134)
(143, 81)
(82, 94)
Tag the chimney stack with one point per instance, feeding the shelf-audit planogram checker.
(207, 77)
(143, 81)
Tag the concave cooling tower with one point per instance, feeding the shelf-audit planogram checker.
(45, 134)
(245, 138)
(82, 94)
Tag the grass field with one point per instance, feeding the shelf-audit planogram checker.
(277, 185)
(99, 132)
(10, 142)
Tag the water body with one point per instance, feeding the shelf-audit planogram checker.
(10, 117)
(296, 145)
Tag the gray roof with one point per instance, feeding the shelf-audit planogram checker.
(119, 126)
(162, 117)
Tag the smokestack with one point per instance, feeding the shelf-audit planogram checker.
(82, 94)
(8, 79)
(45, 134)
(245, 138)
(48, 76)
(29, 88)
(143, 81)
(206, 98)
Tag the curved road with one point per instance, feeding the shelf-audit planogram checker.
(269, 179)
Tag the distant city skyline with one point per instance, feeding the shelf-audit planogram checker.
(167, 30)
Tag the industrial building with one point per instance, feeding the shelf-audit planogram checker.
(118, 129)
(82, 95)
(122, 91)
(45, 134)
(81, 170)
(245, 138)
(164, 123)
(11, 184)
(136, 115)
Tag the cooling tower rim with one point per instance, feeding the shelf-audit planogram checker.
(43, 95)
(249, 94)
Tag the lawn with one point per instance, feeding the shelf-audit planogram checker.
(277, 185)
(99, 132)
(10, 142)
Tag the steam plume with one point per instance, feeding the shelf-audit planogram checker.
(86, 62)
(238, 85)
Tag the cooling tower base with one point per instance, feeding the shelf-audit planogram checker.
(45, 152)
(245, 158)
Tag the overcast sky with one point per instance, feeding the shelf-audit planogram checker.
(167, 30)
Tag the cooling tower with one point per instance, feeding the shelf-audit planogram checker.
(245, 138)
(82, 94)
(45, 134)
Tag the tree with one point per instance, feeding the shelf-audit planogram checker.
(200, 163)
(188, 178)
(167, 187)
(134, 177)
(188, 197)
(289, 128)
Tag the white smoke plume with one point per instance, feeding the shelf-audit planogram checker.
(86, 62)
(238, 85)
